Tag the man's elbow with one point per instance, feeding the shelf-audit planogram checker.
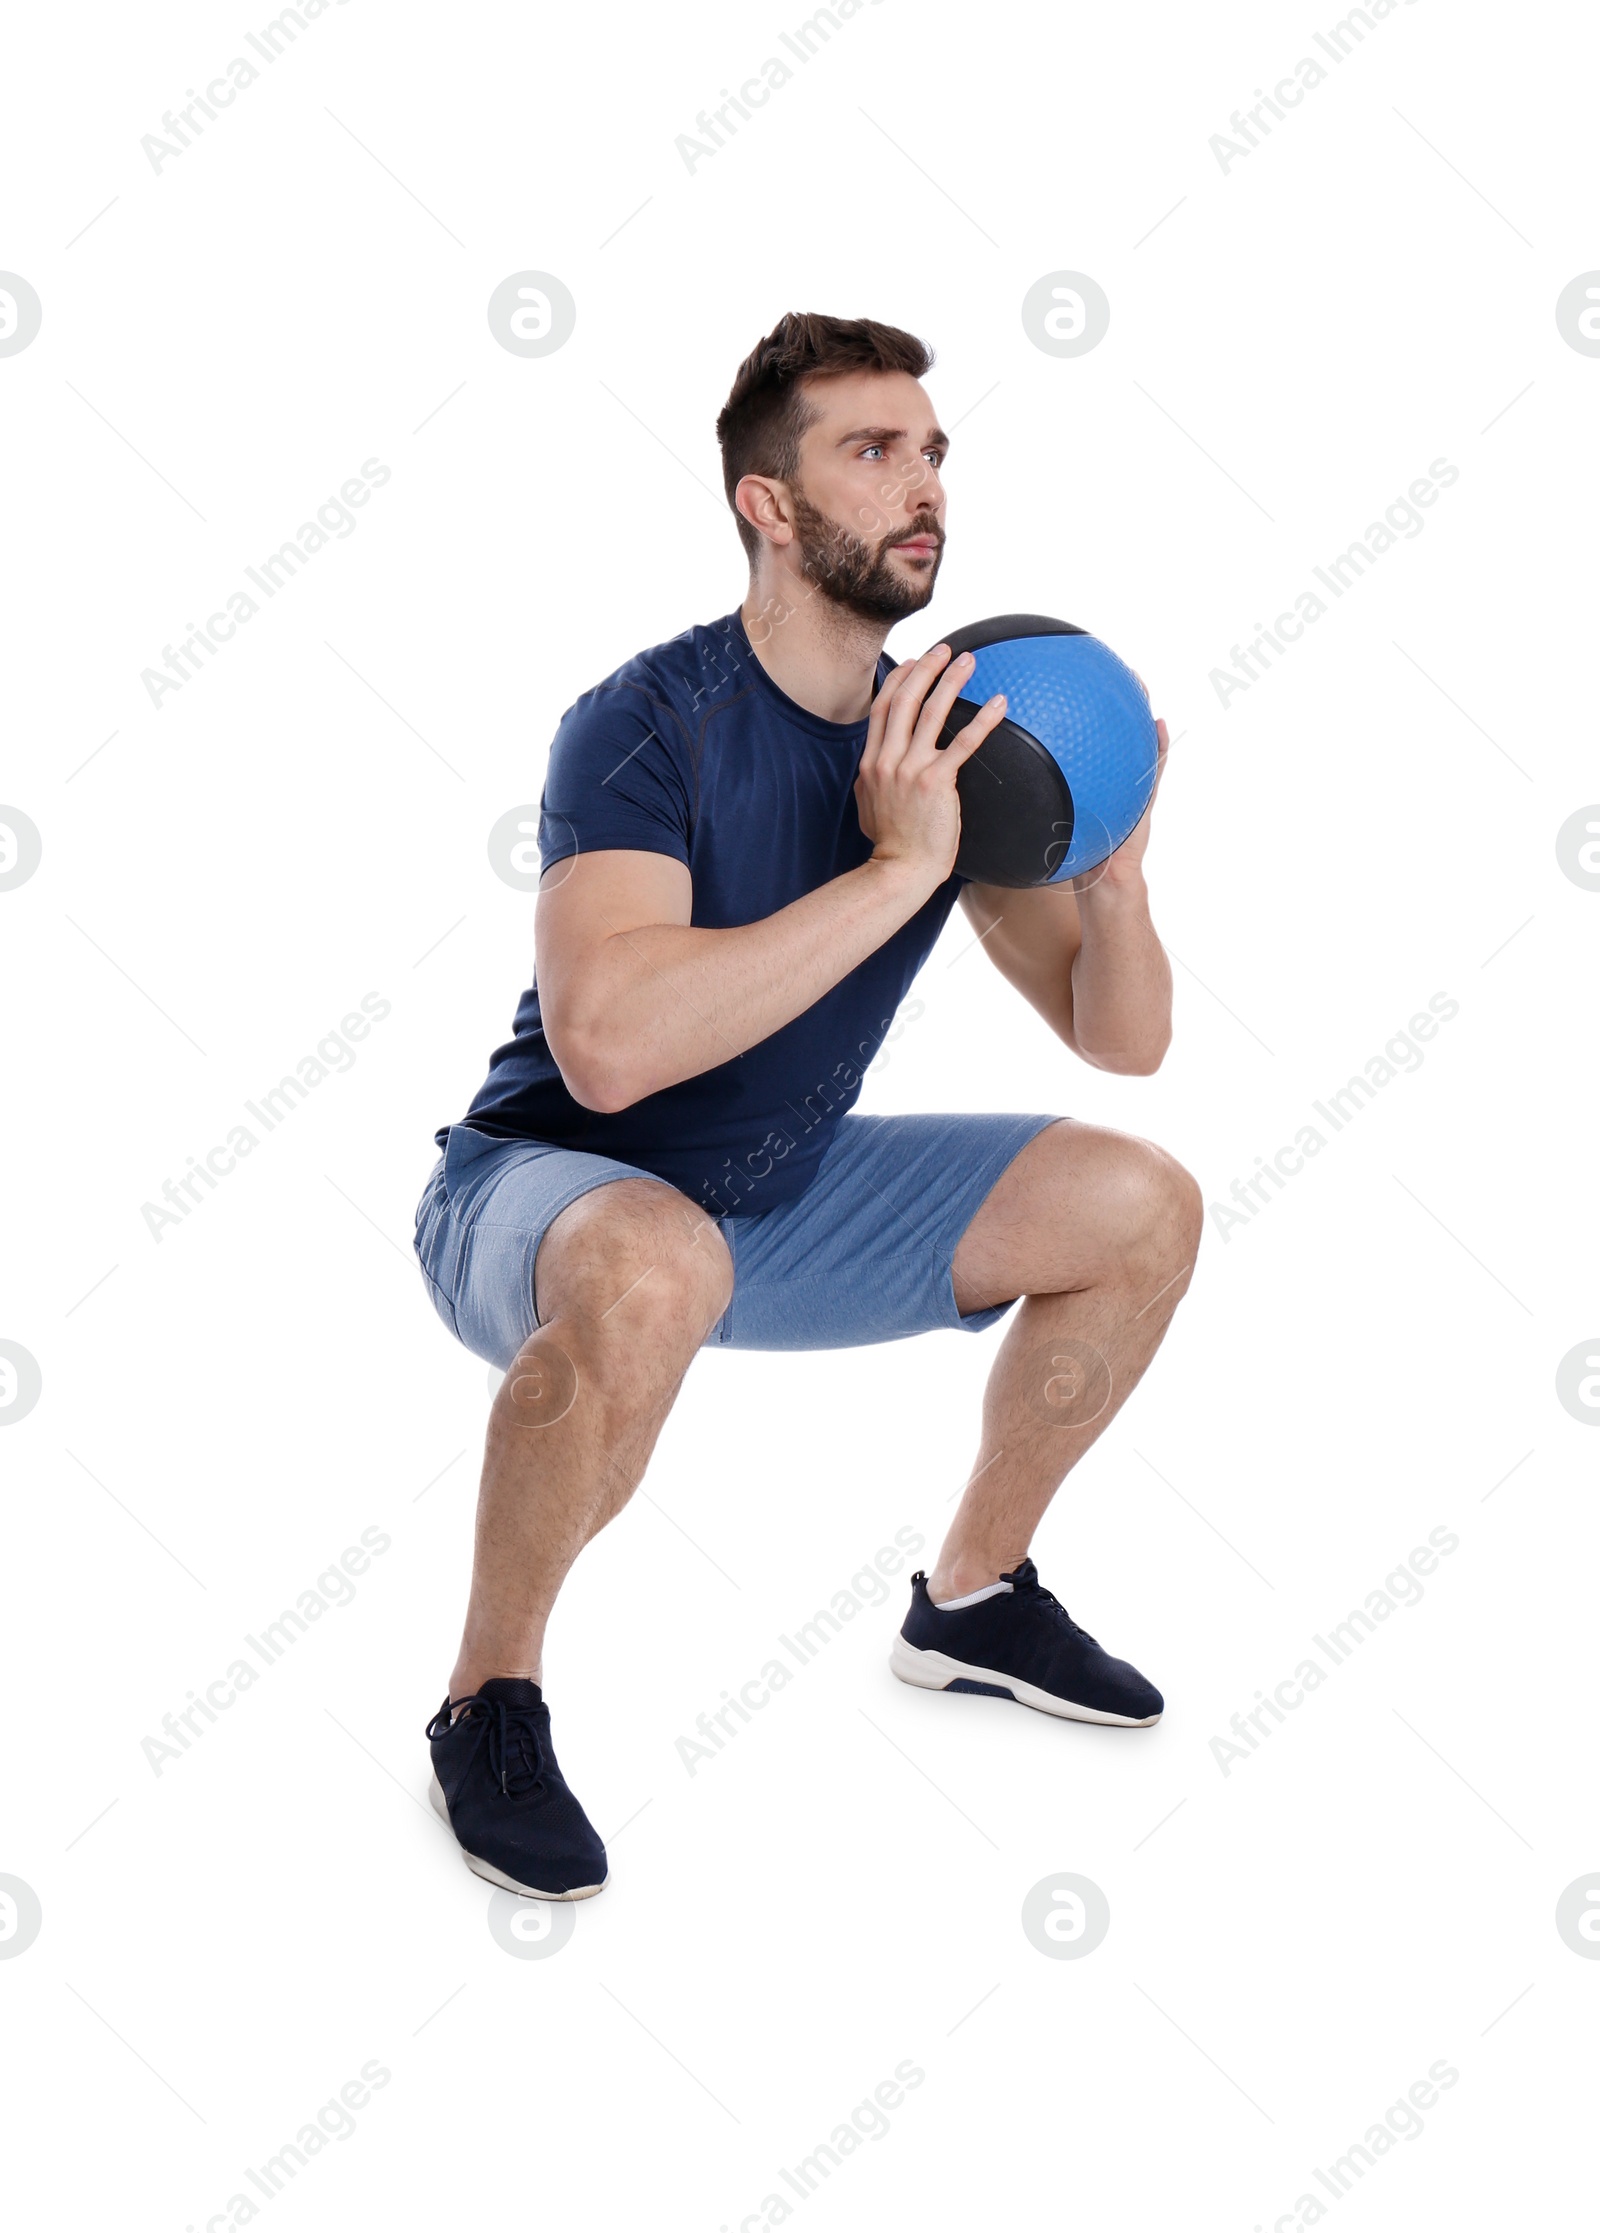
(590, 1071)
(1143, 1065)
(597, 1091)
(1148, 1060)
(1129, 1062)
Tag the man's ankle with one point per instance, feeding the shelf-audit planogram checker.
(467, 1682)
(967, 1573)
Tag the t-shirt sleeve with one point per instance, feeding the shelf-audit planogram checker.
(617, 779)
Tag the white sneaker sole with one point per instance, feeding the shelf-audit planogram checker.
(934, 1670)
(487, 1869)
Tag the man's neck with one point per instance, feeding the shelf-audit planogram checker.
(821, 656)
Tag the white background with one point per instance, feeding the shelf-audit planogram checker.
(1372, 1356)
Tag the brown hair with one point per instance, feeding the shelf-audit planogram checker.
(760, 425)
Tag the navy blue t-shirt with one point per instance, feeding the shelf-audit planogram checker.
(692, 749)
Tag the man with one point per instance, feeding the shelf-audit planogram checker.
(748, 840)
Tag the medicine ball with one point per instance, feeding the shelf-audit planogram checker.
(1058, 785)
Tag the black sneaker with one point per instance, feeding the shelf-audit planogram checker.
(1014, 1640)
(497, 1784)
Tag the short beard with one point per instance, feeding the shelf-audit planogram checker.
(855, 575)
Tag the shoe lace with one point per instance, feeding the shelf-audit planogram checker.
(1059, 1613)
(515, 1759)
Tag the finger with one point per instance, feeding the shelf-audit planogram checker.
(878, 716)
(908, 702)
(903, 713)
(983, 724)
(935, 712)
(1143, 685)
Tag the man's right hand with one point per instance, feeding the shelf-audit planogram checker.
(906, 787)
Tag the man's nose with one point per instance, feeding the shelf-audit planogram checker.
(914, 481)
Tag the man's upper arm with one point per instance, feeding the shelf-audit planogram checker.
(1032, 937)
(583, 902)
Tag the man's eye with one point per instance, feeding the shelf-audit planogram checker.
(871, 448)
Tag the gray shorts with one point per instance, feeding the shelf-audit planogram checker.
(863, 1255)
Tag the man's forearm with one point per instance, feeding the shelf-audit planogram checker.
(668, 1001)
(1121, 981)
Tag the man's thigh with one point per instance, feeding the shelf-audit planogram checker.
(867, 1253)
(1081, 1203)
(486, 1210)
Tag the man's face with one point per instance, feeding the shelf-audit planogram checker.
(867, 498)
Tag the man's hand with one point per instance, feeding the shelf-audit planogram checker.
(1126, 865)
(1091, 963)
(906, 788)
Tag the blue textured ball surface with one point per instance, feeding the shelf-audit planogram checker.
(1063, 778)
(1087, 709)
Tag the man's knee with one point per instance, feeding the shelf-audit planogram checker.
(1134, 1204)
(1165, 1207)
(636, 1258)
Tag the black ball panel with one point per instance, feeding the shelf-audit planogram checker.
(1016, 808)
(1007, 628)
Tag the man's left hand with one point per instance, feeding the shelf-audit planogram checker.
(1126, 864)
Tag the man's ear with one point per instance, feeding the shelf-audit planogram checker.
(764, 502)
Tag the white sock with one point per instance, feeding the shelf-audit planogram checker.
(976, 1597)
